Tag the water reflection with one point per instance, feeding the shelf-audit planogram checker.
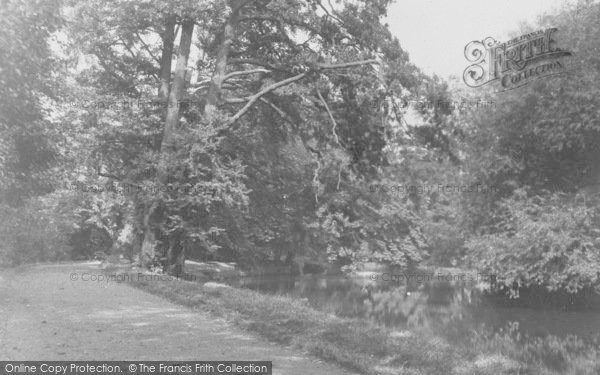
(453, 309)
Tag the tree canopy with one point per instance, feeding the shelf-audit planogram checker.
(274, 132)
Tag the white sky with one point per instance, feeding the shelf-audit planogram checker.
(435, 32)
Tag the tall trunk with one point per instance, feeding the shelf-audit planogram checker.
(147, 245)
(168, 37)
(214, 90)
(175, 255)
(175, 95)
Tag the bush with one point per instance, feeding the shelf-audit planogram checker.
(32, 233)
(550, 241)
(88, 241)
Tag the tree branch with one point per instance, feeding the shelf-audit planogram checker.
(328, 13)
(315, 181)
(134, 56)
(279, 111)
(235, 100)
(120, 79)
(255, 97)
(127, 47)
(287, 81)
(287, 20)
(337, 140)
(256, 62)
(200, 86)
(147, 48)
(347, 65)
(244, 72)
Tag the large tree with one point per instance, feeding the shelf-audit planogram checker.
(27, 66)
(264, 93)
(539, 148)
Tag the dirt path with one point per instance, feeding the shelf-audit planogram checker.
(44, 315)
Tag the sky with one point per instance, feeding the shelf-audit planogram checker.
(435, 32)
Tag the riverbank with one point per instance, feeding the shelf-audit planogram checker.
(362, 346)
(72, 312)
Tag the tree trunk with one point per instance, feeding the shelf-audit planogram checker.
(175, 253)
(175, 95)
(214, 90)
(148, 249)
(175, 256)
(147, 244)
(168, 37)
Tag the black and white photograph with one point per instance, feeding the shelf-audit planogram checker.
(300, 187)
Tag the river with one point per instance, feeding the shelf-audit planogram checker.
(453, 309)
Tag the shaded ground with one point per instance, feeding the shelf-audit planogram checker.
(45, 315)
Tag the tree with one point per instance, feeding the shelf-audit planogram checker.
(269, 79)
(26, 145)
(539, 148)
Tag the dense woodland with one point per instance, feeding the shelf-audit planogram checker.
(273, 133)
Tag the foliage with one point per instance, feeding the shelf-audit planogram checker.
(547, 355)
(36, 232)
(290, 178)
(548, 240)
(308, 170)
(26, 75)
(539, 148)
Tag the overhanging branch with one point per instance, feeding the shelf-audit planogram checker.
(244, 72)
(279, 111)
(347, 65)
(252, 99)
(255, 97)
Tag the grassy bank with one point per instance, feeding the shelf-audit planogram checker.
(365, 348)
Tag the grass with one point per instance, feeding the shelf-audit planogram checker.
(363, 347)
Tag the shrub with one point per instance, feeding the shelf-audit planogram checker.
(550, 241)
(32, 233)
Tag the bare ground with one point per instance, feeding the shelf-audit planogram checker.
(44, 315)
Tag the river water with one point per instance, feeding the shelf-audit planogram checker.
(453, 309)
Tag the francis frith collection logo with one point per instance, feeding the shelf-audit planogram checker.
(514, 63)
